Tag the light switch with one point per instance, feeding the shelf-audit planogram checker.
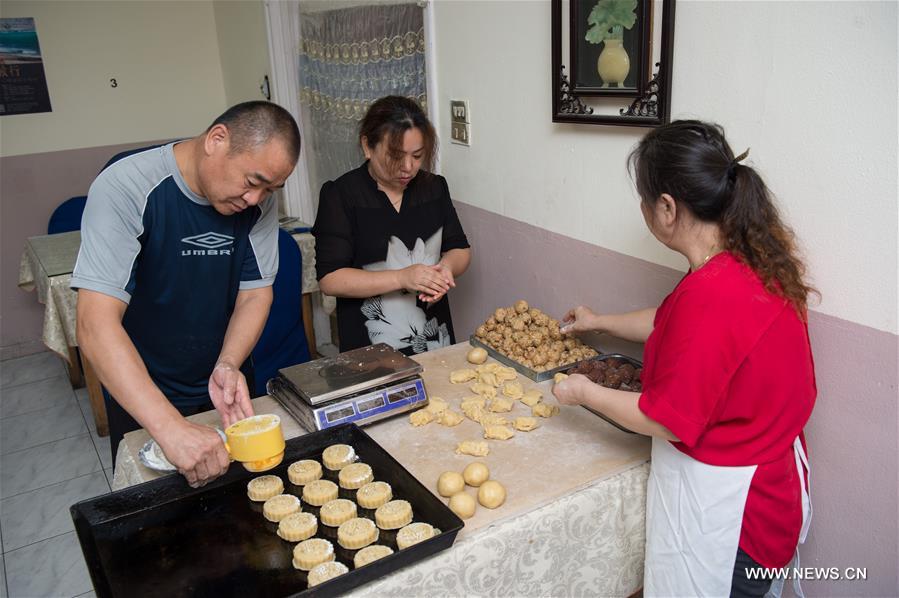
(459, 111)
(460, 122)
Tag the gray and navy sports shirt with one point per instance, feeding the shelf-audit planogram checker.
(151, 242)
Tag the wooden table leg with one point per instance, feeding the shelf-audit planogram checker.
(75, 375)
(307, 324)
(95, 392)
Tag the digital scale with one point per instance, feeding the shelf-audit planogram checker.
(360, 386)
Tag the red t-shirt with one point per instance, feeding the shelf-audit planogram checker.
(728, 369)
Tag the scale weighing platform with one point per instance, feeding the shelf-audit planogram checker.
(360, 386)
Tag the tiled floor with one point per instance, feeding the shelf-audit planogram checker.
(50, 458)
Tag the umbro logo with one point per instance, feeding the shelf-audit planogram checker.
(211, 243)
(209, 240)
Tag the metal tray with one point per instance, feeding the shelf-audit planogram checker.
(634, 362)
(164, 538)
(521, 369)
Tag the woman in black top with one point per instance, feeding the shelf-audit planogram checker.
(388, 243)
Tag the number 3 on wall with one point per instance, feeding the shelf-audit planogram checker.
(113, 83)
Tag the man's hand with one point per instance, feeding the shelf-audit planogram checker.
(570, 390)
(229, 393)
(197, 451)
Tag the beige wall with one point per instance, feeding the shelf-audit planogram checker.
(549, 202)
(243, 48)
(163, 55)
(784, 78)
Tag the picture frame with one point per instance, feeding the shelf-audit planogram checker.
(628, 49)
(641, 98)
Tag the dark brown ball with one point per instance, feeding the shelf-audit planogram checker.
(627, 372)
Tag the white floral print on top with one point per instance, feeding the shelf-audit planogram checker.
(395, 318)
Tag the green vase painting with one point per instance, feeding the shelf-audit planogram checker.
(607, 22)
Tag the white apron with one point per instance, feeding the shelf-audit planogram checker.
(694, 516)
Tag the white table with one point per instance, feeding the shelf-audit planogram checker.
(46, 267)
(573, 523)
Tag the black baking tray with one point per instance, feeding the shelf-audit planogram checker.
(164, 538)
(634, 362)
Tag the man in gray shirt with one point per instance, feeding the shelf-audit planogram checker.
(179, 251)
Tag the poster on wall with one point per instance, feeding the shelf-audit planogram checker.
(23, 86)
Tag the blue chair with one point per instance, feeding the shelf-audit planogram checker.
(283, 341)
(67, 216)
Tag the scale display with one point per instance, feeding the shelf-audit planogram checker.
(372, 405)
(359, 386)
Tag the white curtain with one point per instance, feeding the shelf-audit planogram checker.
(349, 58)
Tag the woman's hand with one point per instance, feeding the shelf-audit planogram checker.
(579, 319)
(424, 280)
(571, 390)
(447, 274)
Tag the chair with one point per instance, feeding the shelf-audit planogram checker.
(283, 341)
(67, 216)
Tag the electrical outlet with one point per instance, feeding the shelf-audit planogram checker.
(460, 133)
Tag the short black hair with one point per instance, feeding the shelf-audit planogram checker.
(252, 124)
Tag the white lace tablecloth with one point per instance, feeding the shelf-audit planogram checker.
(58, 299)
(588, 543)
(307, 247)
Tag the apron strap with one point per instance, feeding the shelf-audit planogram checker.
(802, 467)
(804, 471)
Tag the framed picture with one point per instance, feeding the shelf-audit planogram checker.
(612, 61)
(610, 46)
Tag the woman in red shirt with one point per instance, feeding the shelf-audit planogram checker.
(728, 378)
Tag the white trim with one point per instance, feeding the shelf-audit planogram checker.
(430, 27)
(282, 23)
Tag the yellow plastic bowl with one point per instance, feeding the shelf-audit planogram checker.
(257, 442)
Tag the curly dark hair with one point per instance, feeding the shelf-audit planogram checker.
(692, 161)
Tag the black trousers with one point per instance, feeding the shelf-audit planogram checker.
(120, 422)
(742, 586)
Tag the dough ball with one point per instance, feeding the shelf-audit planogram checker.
(475, 474)
(463, 505)
(559, 377)
(450, 483)
(521, 306)
(491, 494)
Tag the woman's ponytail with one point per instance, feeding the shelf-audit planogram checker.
(692, 161)
(753, 230)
